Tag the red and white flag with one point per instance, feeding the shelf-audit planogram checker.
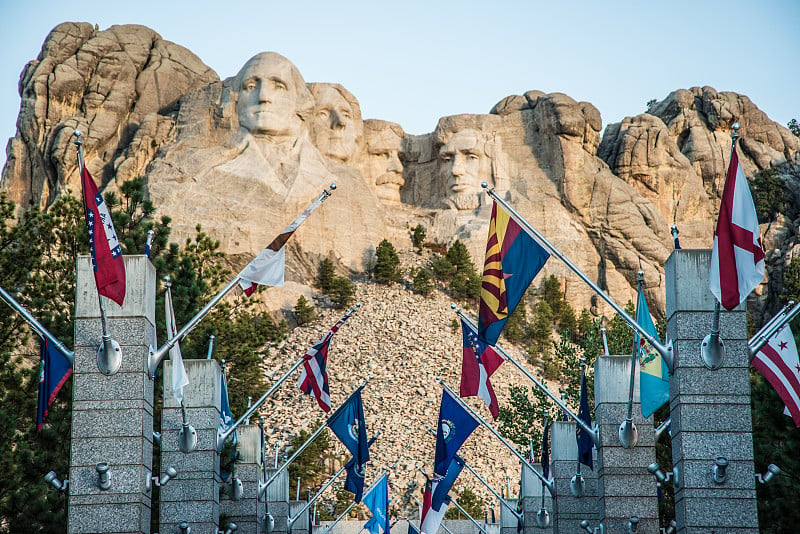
(430, 519)
(778, 362)
(268, 267)
(737, 259)
(107, 262)
(479, 361)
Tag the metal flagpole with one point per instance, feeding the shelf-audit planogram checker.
(712, 349)
(628, 434)
(341, 516)
(157, 356)
(210, 347)
(36, 326)
(664, 350)
(472, 470)
(594, 432)
(662, 427)
(420, 518)
(109, 353)
(223, 436)
(773, 327)
(315, 497)
(548, 483)
(461, 509)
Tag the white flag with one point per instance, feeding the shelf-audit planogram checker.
(778, 362)
(179, 377)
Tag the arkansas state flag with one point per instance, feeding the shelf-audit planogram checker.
(477, 365)
(513, 259)
(778, 362)
(107, 262)
(737, 259)
(54, 370)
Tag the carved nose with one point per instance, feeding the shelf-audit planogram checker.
(264, 94)
(337, 121)
(395, 165)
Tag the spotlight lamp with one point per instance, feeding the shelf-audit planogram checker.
(268, 523)
(169, 473)
(772, 471)
(235, 488)
(672, 528)
(543, 518)
(230, 529)
(103, 476)
(599, 529)
(655, 470)
(52, 478)
(577, 486)
(633, 524)
(184, 527)
(720, 470)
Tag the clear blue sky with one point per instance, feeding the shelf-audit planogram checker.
(414, 61)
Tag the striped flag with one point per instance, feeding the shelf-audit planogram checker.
(478, 362)
(269, 266)
(737, 259)
(778, 362)
(314, 376)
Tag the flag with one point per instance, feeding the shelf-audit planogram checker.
(179, 377)
(377, 500)
(314, 376)
(411, 528)
(477, 365)
(513, 258)
(546, 451)
(737, 259)
(54, 370)
(442, 486)
(225, 415)
(349, 426)
(455, 426)
(354, 483)
(585, 443)
(268, 267)
(107, 262)
(430, 519)
(778, 362)
(653, 375)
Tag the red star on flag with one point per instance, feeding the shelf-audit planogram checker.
(782, 345)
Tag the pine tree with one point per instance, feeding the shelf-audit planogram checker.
(422, 282)
(325, 275)
(387, 263)
(470, 502)
(303, 311)
(342, 292)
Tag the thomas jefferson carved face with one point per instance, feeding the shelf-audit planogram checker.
(268, 96)
(383, 168)
(335, 125)
(463, 164)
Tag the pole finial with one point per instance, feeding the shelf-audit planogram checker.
(735, 131)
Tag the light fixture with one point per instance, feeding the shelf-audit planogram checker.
(234, 488)
(52, 478)
(103, 477)
(628, 434)
(656, 471)
(543, 518)
(772, 470)
(720, 470)
(268, 523)
(598, 530)
(184, 527)
(230, 529)
(672, 528)
(169, 473)
(577, 486)
(187, 435)
(633, 524)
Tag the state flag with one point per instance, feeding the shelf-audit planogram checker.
(377, 501)
(778, 362)
(584, 440)
(442, 486)
(455, 426)
(431, 518)
(54, 370)
(653, 375)
(179, 377)
(348, 424)
(314, 375)
(479, 361)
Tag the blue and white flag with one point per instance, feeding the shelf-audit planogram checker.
(354, 483)
(349, 426)
(225, 416)
(585, 442)
(442, 486)
(377, 500)
(455, 426)
(653, 375)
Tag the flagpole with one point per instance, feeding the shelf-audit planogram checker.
(472, 470)
(223, 436)
(157, 356)
(109, 353)
(628, 433)
(712, 349)
(664, 350)
(773, 327)
(594, 432)
(372, 487)
(36, 326)
(311, 501)
(461, 509)
(420, 518)
(662, 427)
(548, 483)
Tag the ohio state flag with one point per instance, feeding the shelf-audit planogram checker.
(107, 262)
(737, 259)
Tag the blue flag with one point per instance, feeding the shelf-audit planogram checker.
(513, 259)
(349, 426)
(225, 422)
(455, 426)
(354, 483)
(443, 485)
(653, 375)
(546, 451)
(54, 370)
(377, 501)
(585, 443)
(412, 529)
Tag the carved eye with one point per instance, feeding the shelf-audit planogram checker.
(472, 156)
(446, 157)
(249, 85)
(322, 114)
(280, 85)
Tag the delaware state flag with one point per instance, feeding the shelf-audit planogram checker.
(107, 262)
(513, 259)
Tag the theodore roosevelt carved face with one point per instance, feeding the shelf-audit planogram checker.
(383, 168)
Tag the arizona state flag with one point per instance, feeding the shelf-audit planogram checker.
(513, 259)
(107, 262)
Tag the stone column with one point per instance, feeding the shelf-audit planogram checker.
(570, 510)
(508, 521)
(531, 495)
(245, 511)
(193, 496)
(112, 416)
(710, 410)
(625, 487)
(277, 500)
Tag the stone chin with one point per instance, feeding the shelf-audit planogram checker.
(463, 201)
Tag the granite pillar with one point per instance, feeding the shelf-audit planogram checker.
(570, 510)
(625, 487)
(710, 410)
(531, 494)
(508, 521)
(245, 511)
(193, 496)
(276, 499)
(112, 416)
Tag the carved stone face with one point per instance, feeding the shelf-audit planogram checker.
(267, 100)
(333, 128)
(383, 168)
(462, 167)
